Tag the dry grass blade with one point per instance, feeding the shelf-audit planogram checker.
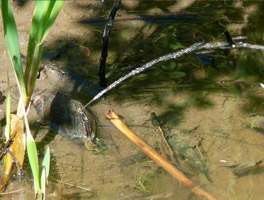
(8, 164)
(121, 126)
(16, 151)
(19, 145)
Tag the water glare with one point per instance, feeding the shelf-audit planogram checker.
(194, 47)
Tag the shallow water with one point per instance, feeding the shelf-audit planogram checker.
(218, 94)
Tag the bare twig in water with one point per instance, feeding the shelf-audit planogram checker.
(11, 192)
(121, 126)
(158, 196)
(229, 39)
(145, 196)
(72, 185)
(168, 148)
(104, 54)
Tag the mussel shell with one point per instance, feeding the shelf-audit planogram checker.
(245, 168)
(66, 116)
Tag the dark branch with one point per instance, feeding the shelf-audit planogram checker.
(104, 53)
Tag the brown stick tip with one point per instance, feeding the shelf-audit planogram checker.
(110, 114)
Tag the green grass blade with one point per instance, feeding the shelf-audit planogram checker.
(43, 19)
(33, 31)
(44, 16)
(34, 50)
(43, 183)
(46, 162)
(53, 11)
(32, 71)
(12, 43)
(45, 172)
(33, 159)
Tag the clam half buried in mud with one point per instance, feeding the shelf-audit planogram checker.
(66, 117)
(246, 168)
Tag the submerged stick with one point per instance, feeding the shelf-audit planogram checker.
(104, 53)
(121, 126)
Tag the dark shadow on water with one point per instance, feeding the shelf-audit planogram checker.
(254, 105)
(168, 36)
(59, 114)
(173, 116)
(20, 3)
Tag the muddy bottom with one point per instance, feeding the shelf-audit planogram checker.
(227, 139)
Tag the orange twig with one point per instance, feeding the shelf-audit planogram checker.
(121, 126)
